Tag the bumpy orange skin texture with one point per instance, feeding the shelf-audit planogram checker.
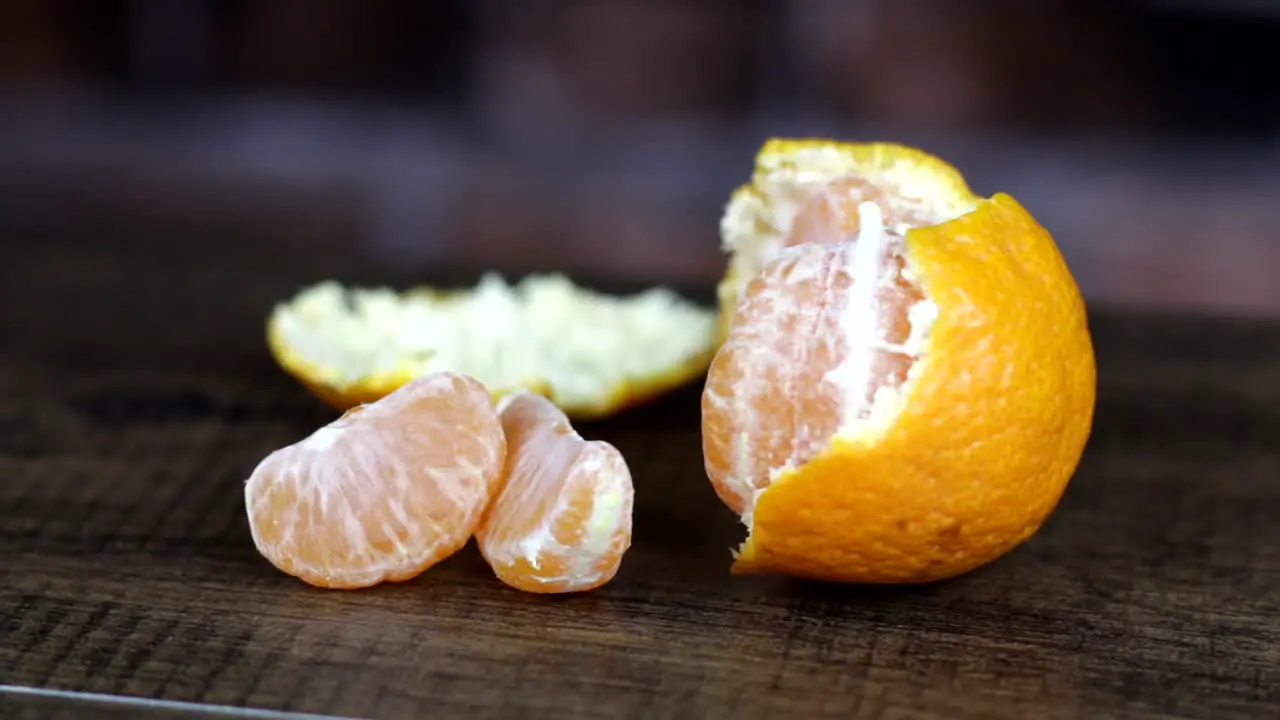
(987, 439)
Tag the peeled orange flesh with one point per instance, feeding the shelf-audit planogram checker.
(561, 521)
(592, 354)
(383, 492)
(914, 189)
(907, 381)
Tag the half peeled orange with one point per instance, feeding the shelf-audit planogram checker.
(908, 380)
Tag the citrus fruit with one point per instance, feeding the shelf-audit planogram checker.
(383, 492)
(593, 354)
(908, 379)
(561, 521)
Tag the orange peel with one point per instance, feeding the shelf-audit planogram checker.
(592, 354)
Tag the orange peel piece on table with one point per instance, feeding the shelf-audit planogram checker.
(591, 353)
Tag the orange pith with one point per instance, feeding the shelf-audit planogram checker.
(384, 492)
(592, 353)
(907, 381)
(561, 521)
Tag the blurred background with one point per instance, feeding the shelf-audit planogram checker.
(603, 136)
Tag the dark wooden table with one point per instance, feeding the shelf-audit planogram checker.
(136, 395)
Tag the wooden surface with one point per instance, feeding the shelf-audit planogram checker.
(136, 395)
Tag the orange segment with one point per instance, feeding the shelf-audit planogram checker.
(562, 520)
(906, 386)
(383, 492)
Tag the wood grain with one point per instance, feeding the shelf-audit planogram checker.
(137, 395)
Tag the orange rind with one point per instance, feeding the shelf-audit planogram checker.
(592, 354)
